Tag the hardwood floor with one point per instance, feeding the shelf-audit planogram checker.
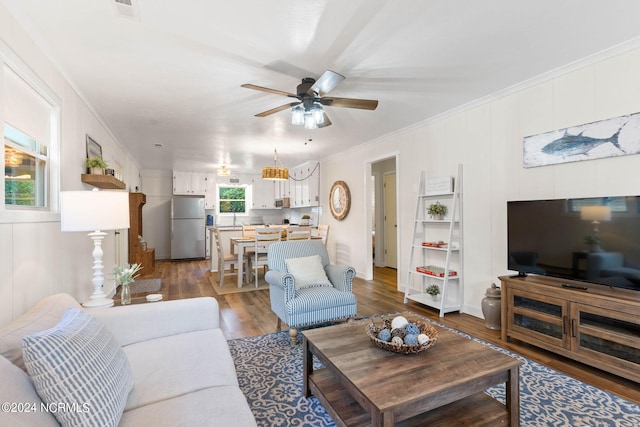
(249, 314)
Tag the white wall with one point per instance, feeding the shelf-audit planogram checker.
(36, 259)
(487, 139)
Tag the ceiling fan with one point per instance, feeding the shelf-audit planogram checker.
(310, 95)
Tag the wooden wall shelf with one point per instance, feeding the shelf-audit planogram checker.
(108, 182)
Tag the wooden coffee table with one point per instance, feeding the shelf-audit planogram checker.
(363, 385)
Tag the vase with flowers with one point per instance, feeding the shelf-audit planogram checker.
(125, 275)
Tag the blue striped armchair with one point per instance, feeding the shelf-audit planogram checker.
(297, 306)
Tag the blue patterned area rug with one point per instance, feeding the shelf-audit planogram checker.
(270, 375)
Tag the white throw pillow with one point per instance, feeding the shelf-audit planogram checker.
(44, 315)
(79, 369)
(307, 271)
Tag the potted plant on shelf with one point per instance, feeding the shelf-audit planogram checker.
(436, 210)
(304, 220)
(433, 290)
(96, 165)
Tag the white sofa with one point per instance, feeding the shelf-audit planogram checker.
(183, 373)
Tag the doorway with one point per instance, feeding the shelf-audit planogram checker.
(384, 227)
(390, 221)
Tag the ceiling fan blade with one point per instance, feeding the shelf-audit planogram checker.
(277, 109)
(326, 121)
(363, 104)
(266, 89)
(326, 83)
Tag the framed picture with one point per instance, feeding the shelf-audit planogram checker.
(93, 148)
(619, 136)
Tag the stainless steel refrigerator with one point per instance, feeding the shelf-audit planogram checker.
(187, 227)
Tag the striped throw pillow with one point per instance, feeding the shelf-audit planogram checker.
(79, 370)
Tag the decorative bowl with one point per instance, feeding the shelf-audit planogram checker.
(425, 328)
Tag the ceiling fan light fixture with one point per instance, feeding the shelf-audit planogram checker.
(309, 121)
(297, 116)
(318, 115)
(310, 93)
(223, 171)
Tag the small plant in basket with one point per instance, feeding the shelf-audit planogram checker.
(436, 210)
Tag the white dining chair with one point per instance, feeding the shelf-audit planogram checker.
(264, 238)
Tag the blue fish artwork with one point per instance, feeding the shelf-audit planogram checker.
(619, 136)
(570, 145)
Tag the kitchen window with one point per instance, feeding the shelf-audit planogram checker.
(233, 199)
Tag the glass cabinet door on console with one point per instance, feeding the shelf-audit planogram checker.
(538, 316)
(607, 335)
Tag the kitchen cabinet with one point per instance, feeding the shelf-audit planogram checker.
(593, 324)
(304, 185)
(210, 195)
(281, 189)
(189, 183)
(263, 193)
(138, 252)
(207, 243)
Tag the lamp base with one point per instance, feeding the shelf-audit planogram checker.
(98, 298)
(98, 303)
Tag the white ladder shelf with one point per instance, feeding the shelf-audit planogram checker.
(426, 251)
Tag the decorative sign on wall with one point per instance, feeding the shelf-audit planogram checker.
(607, 138)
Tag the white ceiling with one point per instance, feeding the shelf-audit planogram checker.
(172, 75)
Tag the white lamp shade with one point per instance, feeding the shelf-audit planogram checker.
(595, 213)
(94, 210)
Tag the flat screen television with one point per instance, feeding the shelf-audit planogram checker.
(594, 240)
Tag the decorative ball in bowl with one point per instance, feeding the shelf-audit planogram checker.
(402, 335)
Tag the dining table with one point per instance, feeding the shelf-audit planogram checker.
(239, 246)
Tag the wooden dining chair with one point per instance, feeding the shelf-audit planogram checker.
(264, 238)
(323, 232)
(299, 233)
(225, 259)
(248, 231)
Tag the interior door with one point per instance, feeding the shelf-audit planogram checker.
(390, 222)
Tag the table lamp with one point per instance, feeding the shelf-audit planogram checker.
(595, 214)
(95, 211)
